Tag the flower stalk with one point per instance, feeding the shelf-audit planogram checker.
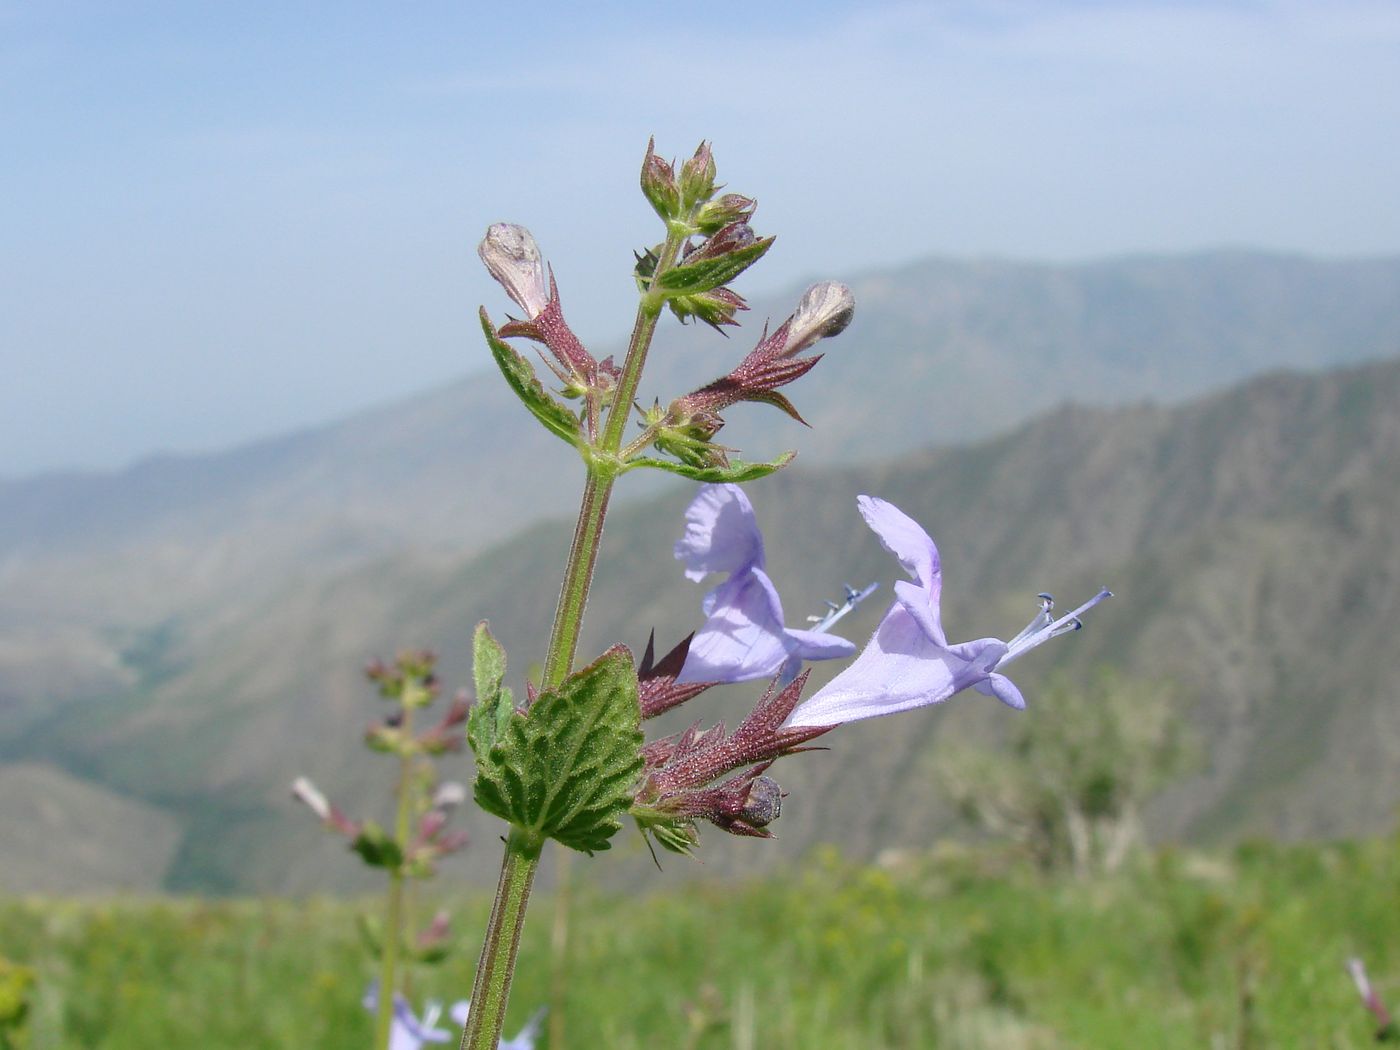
(490, 990)
(529, 770)
(603, 468)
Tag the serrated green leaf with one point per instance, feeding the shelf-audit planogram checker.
(566, 768)
(690, 278)
(494, 702)
(520, 376)
(736, 472)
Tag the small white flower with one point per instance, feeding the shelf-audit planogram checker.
(825, 310)
(307, 792)
(449, 795)
(514, 259)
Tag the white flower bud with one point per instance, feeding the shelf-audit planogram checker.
(307, 792)
(514, 259)
(1357, 969)
(449, 795)
(826, 309)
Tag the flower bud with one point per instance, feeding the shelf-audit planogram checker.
(715, 307)
(716, 214)
(449, 795)
(430, 825)
(697, 177)
(308, 793)
(825, 310)
(513, 258)
(764, 804)
(436, 932)
(731, 238)
(385, 738)
(659, 185)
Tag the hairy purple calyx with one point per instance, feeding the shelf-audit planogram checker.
(691, 421)
(687, 777)
(657, 688)
(514, 260)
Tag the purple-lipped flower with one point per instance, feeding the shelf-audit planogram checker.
(909, 662)
(744, 635)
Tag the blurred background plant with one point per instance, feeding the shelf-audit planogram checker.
(15, 982)
(967, 946)
(1078, 768)
(418, 837)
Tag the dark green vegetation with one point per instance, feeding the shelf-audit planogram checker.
(178, 642)
(957, 950)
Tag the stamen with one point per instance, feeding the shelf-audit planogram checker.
(853, 598)
(1047, 603)
(1042, 628)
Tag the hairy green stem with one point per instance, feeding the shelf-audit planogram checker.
(573, 595)
(583, 554)
(497, 965)
(559, 945)
(491, 987)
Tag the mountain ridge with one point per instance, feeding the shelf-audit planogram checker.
(1213, 522)
(149, 661)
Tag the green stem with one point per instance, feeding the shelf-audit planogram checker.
(393, 919)
(597, 488)
(491, 988)
(389, 962)
(559, 944)
(497, 965)
(573, 595)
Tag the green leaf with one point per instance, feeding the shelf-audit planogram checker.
(566, 769)
(369, 934)
(520, 375)
(669, 831)
(690, 278)
(375, 846)
(432, 956)
(494, 702)
(736, 472)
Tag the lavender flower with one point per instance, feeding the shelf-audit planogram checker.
(407, 1031)
(908, 662)
(523, 1040)
(743, 636)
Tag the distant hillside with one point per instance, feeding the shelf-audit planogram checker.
(1250, 537)
(940, 352)
(95, 570)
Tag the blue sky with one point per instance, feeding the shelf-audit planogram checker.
(221, 221)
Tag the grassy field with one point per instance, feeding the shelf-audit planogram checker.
(956, 950)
